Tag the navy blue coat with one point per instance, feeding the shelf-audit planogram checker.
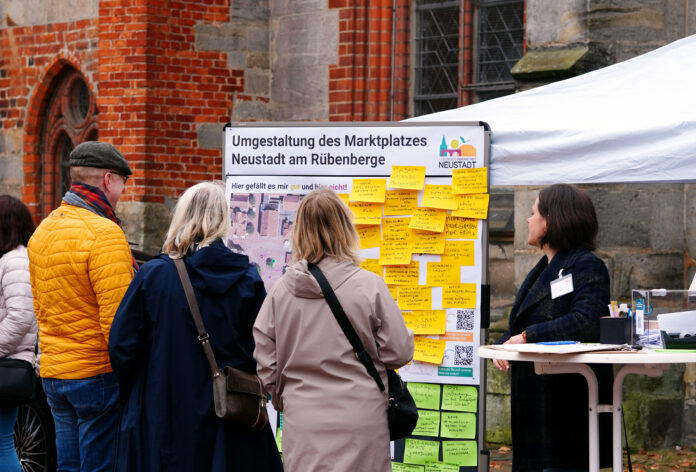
(168, 421)
(549, 412)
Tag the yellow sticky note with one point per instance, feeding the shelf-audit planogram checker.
(372, 265)
(439, 196)
(395, 252)
(428, 350)
(425, 242)
(420, 451)
(426, 321)
(428, 219)
(460, 398)
(370, 236)
(472, 206)
(365, 213)
(415, 297)
(401, 467)
(402, 274)
(396, 228)
(425, 395)
(443, 273)
(428, 423)
(407, 177)
(470, 180)
(458, 425)
(440, 467)
(459, 296)
(368, 190)
(394, 291)
(463, 453)
(459, 252)
(400, 202)
(457, 227)
(344, 197)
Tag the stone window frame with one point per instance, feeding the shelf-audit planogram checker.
(70, 118)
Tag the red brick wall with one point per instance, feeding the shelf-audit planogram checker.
(154, 88)
(361, 84)
(32, 56)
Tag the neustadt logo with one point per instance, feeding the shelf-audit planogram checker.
(458, 155)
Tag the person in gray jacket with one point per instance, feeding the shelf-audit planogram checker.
(18, 329)
(334, 415)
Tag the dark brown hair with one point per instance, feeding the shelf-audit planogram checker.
(16, 224)
(571, 220)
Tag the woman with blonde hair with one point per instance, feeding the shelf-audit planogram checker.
(334, 415)
(168, 421)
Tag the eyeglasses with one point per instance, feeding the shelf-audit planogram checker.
(124, 177)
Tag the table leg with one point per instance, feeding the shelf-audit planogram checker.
(651, 370)
(592, 400)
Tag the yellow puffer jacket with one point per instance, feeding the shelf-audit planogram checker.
(80, 267)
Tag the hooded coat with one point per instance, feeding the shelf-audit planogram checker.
(168, 421)
(549, 412)
(334, 415)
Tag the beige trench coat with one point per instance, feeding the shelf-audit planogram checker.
(334, 415)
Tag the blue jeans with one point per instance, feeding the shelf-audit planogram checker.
(8, 455)
(86, 414)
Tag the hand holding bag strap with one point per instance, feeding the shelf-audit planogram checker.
(203, 336)
(345, 324)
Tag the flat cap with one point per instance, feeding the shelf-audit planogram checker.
(99, 155)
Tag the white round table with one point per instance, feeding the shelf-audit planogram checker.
(646, 362)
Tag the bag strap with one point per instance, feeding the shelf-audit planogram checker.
(203, 336)
(345, 324)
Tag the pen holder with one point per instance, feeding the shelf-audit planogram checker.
(615, 330)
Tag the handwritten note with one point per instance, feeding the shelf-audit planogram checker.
(443, 273)
(370, 236)
(401, 467)
(428, 350)
(407, 177)
(472, 206)
(425, 395)
(365, 213)
(440, 467)
(402, 274)
(439, 196)
(428, 219)
(463, 453)
(394, 252)
(394, 291)
(459, 296)
(457, 227)
(400, 202)
(426, 321)
(470, 180)
(368, 190)
(428, 423)
(459, 252)
(425, 242)
(420, 451)
(458, 425)
(373, 266)
(396, 228)
(459, 398)
(415, 297)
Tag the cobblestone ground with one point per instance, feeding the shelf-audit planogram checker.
(661, 460)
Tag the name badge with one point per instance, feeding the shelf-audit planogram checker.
(563, 285)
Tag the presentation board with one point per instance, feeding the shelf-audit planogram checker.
(419, 197)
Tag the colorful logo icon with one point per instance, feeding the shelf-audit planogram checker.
(457, 148)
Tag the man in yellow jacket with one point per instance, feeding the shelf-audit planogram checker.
(80, 266)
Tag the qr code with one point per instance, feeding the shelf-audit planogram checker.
(463, 355)
(465, 319)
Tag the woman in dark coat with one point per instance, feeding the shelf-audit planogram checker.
(550, 412)
(168, 421)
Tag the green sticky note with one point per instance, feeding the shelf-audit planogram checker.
(420, 451)
(399, 467)
(428, 423)
(458, 425)
(441, 467)
(425, 395)
(464, 453)
(458, 398)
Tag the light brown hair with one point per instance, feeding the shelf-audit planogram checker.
(324, 227)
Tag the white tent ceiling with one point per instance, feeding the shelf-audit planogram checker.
(630, 122)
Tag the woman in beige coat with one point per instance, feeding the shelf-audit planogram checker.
(334, 415)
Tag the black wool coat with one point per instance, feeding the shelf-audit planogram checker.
(550, 412)
(168, 421)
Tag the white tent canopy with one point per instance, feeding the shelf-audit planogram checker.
(630, 122)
